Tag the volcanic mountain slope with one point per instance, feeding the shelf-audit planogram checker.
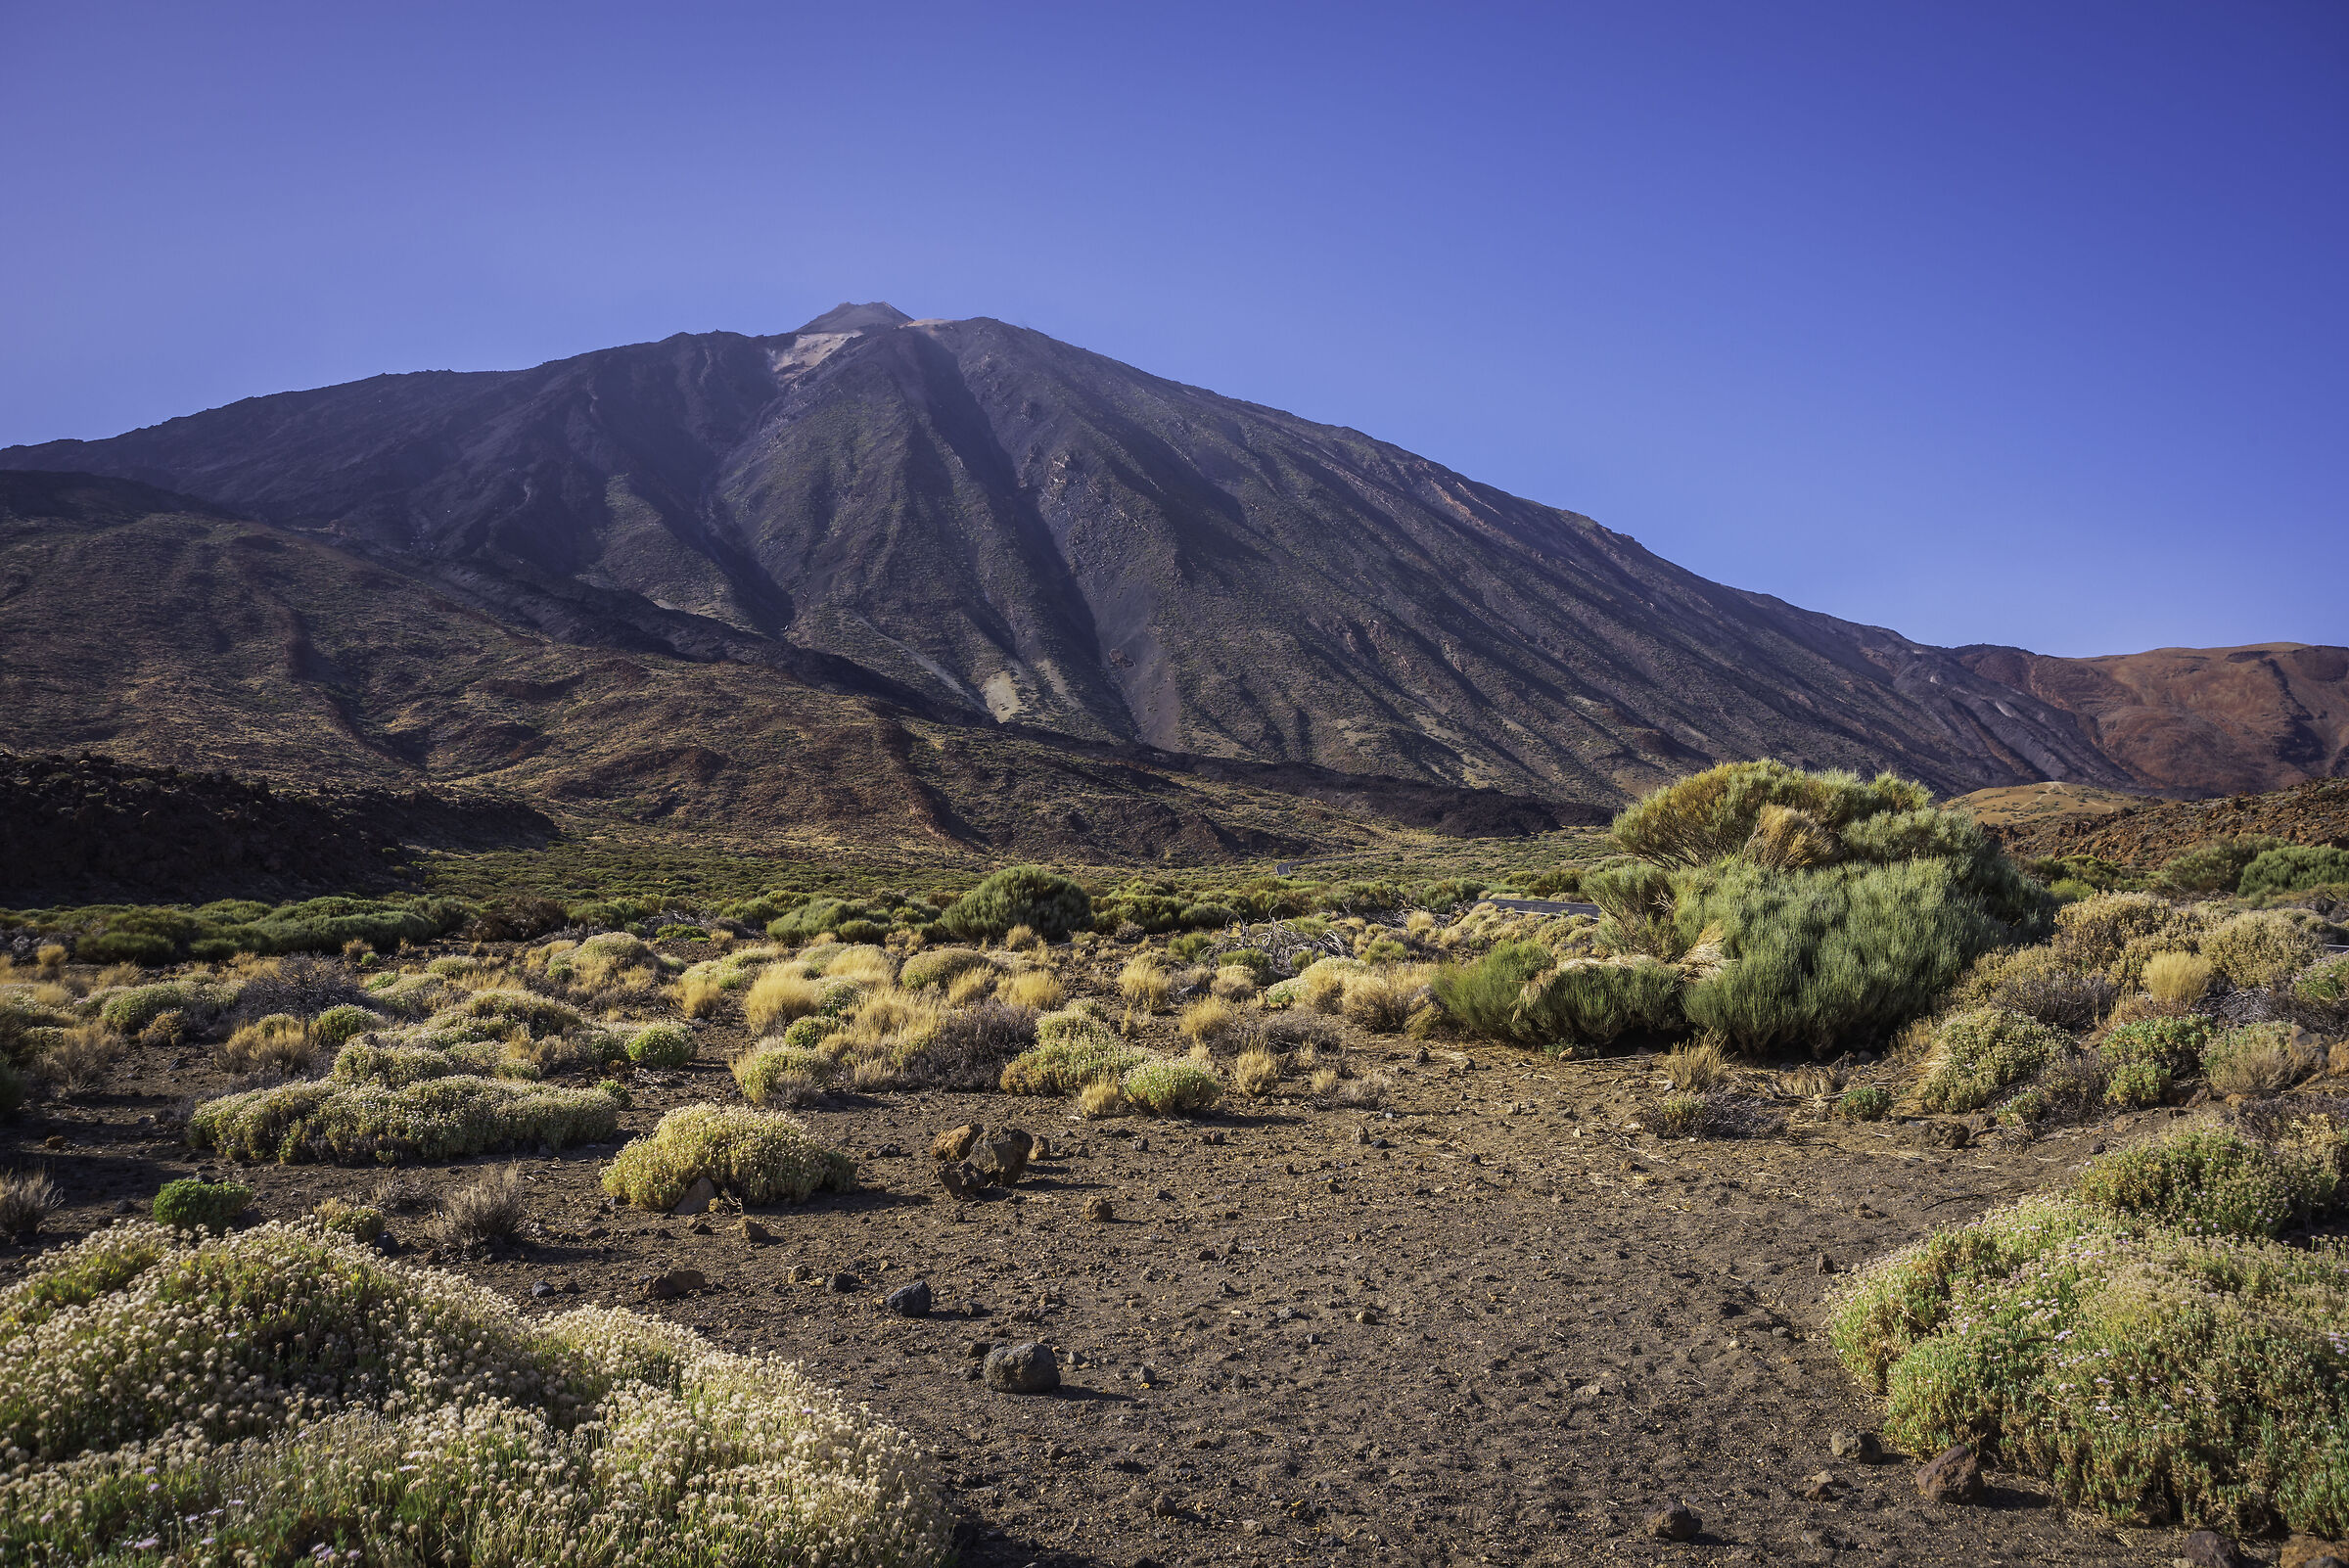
(2199, 721)
(975, 522)
(162, 630)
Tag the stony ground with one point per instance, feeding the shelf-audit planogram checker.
(1485, 1324)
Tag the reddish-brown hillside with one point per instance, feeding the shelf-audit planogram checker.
(2199, 721)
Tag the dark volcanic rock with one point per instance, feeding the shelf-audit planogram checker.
(1024, 1368)
(1952, 1476)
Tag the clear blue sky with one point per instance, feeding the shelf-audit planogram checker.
(1987, 322)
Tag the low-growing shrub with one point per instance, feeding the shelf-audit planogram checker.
(26, 1199)
(77, 1059)
(1979, 1052)
(785, 1075)
(939, 966)
(756, 1156)
(2213, 1181)
(2039, 982)
(1256, 1072)
(392, 1414)
(1168, 1087)
(1484, 995)
(1208, 1020)
(1678, 1116)
(486, 1211)
(1232, 983)
(277, 1043)
(2152, 1376)
(2214, 866)
(128, 1012)
(1036, 988)
(1696, 1067)
(1071, 1050)
(2143, 1058)
(1593, 1001)
(1145, 984)
(2178, 978)
(661, 1045)
(192, 1204)
(2259, 948)
(1864, 1103)
(2324, 985)
(355, 1221)
(332, 1028)
(969, 1049)
(2251, 1059)
(440, 1118)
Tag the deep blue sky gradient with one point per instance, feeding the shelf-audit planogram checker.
(1984, 321)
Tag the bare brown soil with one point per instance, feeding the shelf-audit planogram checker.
(2316, 813)
(1502, 1329)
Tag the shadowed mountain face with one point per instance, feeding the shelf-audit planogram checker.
(978, 524)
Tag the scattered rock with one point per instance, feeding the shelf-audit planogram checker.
(962, 1180)
(841, 1283)
(698, 1197)
(1952, 1476)
(1164, 1507)
(1827, 1264)
(797, 1274)
(1947, 1134)
(2308, 1551)
(1676, 1523)
(125, 1205)
(977, 1350)
(1042, 1150)
(1150, 1374)
(754, 1232)
(2207, 1548)
(387, 1243)
(1821, 1488)
(909, 1301)
(671, 1283)
(955, 1143)
(1208, 1255)
(1023, 1369)
(1003, 1158)
(542, 1290)
(1861, 1448)
(1100, 1210)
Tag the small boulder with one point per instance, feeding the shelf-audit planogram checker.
(909, 1301)
(2207, 1548)
(1023, 1369)
(1674, 1523)
(754, 1232)
(1821, 1488)
(1827, 1264)
(541, 1290)
(698, 1197)
(1003, 1158)
(955, 1142)
(1861, 1448)
(962, 1180)
(1947, 1134)
(841, 1283)
(1100, 1210)
(671, 1283)
(1954, 1475)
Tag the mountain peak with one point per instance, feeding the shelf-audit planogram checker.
(846, 318)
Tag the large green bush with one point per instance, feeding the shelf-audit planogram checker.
(1483, 997)
(440, 1118)
(286, 1397)
(1030, 896)
(2216, 866)
(1702, 820)
(2292, 869)
(1595, 1000)
(2158, 1377)
(1829, 954)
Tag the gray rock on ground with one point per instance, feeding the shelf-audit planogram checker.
(1674, 1523)
(909, 1301)
(1023, 1369)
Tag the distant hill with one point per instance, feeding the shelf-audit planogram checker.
(972, 526)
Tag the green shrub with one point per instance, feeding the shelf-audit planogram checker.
(1707, 818)
(1190, 945)
(2155, 1376)
(297, 1397)
(133, 1008)
(2040, 982)
(2251, 1059)
(1173, 1087)
(442, 1118)
(1046, 902)
(2325, 983)
(1864, 1103)
(1072, 1049)
(1259, 963)
(763, 1071)
(2173, 1044)
(2293, 868)
(1821, 957)
(355, 1221)
(939, 966)
(1678, 1116)
(1483, 997)
(805, 1034)
(1981, 1051)
(336, 1025)
(2214, 867)
(126, 948)
(192, 1204)
(395, 1064)
(2213, 1181)
(543, 1014)
(661, 1045)
(2260, 947)
(1595, 1000)
(755, 1156)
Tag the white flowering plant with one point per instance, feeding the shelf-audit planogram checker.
(284, 1396)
